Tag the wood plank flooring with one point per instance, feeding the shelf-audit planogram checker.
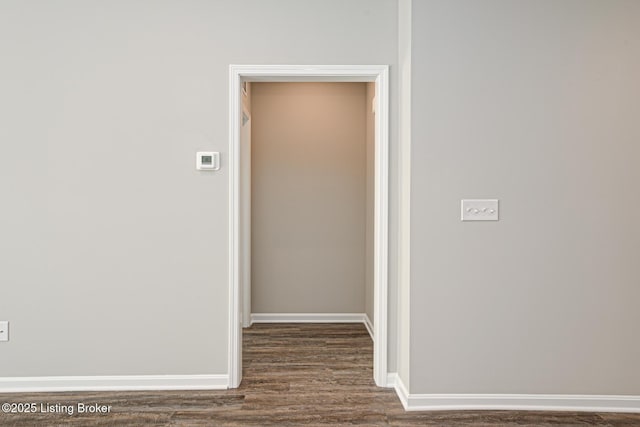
(294, 374)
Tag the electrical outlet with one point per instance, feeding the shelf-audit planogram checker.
(4, 330)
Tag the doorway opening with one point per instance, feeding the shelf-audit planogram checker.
(241, 77)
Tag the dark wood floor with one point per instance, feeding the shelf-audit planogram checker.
(304, 374)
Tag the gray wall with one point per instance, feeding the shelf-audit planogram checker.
(403, 272)
(370, 198)
(308, 197)
(535, 103)
(109, 234)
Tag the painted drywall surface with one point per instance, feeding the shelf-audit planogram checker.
(114, 248)
(308, 200)
(404, 195)
(370, 149)
(535, 103)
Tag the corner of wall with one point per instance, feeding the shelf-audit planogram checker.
(404, 272)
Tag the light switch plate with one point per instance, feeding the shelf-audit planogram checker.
(4, 330)
(208, 160)
(479, 210)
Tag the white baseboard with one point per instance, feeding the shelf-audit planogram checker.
(394, 380)
(391, 379)
(368, 325)
(513, 402)
(307, 317)
(314, 318)
(113, 383)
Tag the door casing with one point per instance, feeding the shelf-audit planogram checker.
(311, 73)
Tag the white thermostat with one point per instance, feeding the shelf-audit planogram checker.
(208, 160)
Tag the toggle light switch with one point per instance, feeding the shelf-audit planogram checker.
(208, 160)
(479, 210)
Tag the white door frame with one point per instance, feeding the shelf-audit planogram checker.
(312, 73)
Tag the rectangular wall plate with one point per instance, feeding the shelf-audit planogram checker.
(4, 330)
(208, 160)
(479, 210)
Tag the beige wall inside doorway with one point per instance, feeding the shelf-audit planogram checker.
(309, 180)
